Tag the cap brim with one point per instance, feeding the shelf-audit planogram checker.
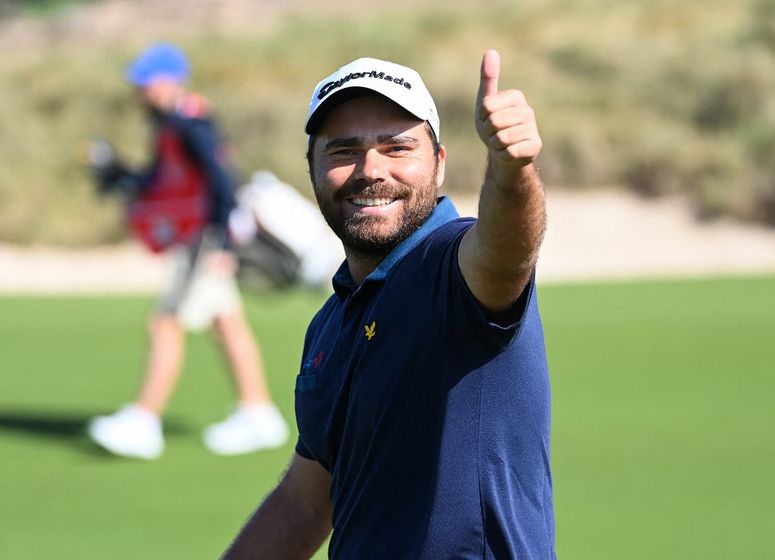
(321, 111)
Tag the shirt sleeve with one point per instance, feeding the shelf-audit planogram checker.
(465, 317)
(302, 450)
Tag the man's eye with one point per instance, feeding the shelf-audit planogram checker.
(398, 148)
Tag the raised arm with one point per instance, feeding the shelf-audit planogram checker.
(498, 254)
(292, 522)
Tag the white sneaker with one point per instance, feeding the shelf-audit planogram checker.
(249, 428)
(132, 431)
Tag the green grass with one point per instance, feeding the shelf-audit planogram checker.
(63, 360)
(662, 443)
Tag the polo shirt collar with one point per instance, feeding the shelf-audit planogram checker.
(443, 212)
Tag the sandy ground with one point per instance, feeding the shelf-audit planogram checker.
(617, 235)
(591, 236)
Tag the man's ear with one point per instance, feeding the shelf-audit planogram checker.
(441, 166)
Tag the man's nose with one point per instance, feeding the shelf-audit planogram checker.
(372, 166)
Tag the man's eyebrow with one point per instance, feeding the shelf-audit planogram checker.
(385, 139)
(397, 139)
(343, 143)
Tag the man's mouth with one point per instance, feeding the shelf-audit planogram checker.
(363, 201)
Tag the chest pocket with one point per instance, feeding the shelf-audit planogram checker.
(310, 372)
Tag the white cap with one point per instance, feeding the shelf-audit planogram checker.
(398, 83)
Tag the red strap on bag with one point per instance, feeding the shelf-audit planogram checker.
(173, 208)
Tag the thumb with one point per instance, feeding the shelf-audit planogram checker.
(488, 78)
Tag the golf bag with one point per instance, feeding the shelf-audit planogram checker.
(172, 210)
(282, 239)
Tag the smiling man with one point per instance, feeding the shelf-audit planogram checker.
(423, 396)
(376, 177)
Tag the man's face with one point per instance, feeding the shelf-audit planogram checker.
(375, 173)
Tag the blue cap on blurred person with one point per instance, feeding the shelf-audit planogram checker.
(161, 60)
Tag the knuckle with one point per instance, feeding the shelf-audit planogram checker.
(498, 120)
(518, 151)
(501, 139)
(517, 96)
(488, 105)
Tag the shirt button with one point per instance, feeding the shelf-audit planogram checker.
(343, 355)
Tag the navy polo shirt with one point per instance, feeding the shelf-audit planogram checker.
(432, 419)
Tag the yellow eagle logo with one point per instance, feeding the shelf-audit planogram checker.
(371, 330)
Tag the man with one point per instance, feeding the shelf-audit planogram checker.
(423, 397)
(182, 205)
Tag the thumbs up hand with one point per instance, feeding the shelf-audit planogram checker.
(504, 120)
(497, 255)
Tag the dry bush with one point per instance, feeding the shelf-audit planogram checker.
(655, 96)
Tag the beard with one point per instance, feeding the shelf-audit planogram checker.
(368, 235)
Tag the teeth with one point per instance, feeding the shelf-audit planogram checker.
(372, 201)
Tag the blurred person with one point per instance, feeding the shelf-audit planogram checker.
(181, 205)
(423, 400)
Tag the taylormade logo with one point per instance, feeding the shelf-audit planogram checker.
(331, 86)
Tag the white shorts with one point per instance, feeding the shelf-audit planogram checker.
(195, 294)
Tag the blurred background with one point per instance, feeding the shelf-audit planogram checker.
(657, 276)
(652, 96)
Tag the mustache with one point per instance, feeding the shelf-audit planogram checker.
(368, 189)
